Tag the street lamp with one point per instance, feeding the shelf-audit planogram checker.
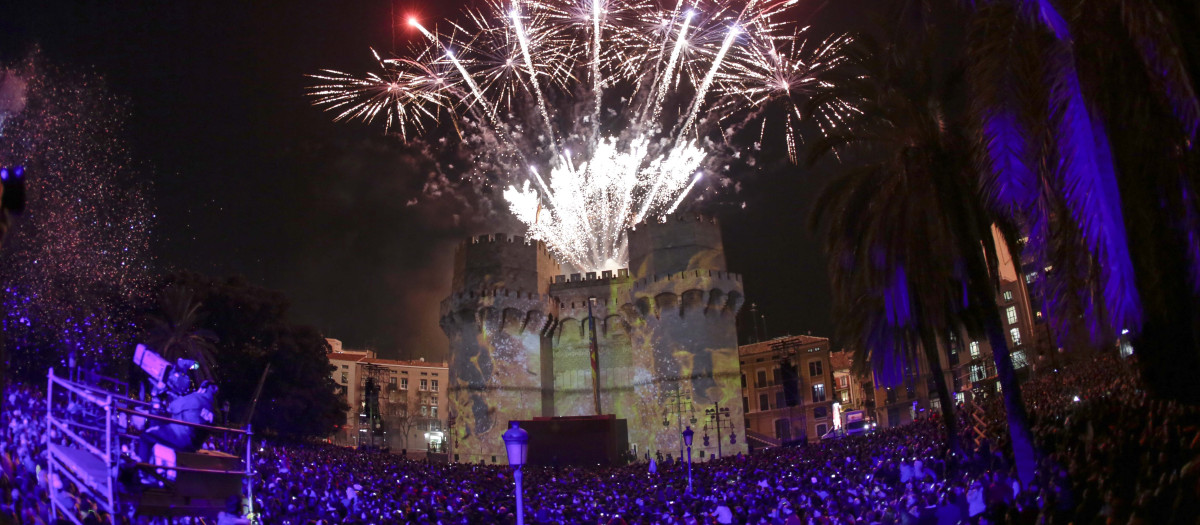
(687, 440)
(516, 444)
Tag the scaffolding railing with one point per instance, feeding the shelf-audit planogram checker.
(90, 429)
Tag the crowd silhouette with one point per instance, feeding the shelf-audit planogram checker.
(1109, 454)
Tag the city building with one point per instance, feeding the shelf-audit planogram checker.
(787, 389)
(967, 362)
(522, 327)
(412, 400)
(848, 389)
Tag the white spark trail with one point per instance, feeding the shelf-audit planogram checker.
(533, 81)
(661, 93)
(708, 79)
(596, 80)
(683, 194)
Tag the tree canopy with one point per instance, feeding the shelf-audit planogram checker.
(252, 330)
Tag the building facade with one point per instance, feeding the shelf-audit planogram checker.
(521, 333)
(849, 392)
(412, 401)
(787, 389)
(967, 363)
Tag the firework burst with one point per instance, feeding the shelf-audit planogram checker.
(602, 113)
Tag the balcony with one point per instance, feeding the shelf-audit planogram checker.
(766, 384)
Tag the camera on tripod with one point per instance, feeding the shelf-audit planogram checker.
(172, 379)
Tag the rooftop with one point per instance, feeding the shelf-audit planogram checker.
(361, 357)
(397, 362)
(780, 343)
(840, 360)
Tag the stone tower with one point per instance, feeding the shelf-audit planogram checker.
(498, 319)
(520, 337)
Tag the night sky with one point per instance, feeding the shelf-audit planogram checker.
(250, 179)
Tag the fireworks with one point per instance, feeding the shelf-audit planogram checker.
(77, 261)
(598, 114)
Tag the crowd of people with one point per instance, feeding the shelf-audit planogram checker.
(23, 492)
(1108, 454)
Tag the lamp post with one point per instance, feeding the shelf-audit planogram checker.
(687, 440)
(682, 402)
(516, 444)
(715, 415)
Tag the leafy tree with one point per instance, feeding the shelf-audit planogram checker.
(299, 395)
(912, 256)
(1086, 117)
(175, 330)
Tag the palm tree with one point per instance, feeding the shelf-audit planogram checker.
(176, 330)
(912, 257)
(1086, 116)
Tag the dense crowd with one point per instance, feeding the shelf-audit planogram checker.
(1109, 455)
(23, 496)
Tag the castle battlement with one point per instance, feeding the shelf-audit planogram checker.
(590, 278)
(675, 217)
(504, 238)
(503, 293)
(716, 275)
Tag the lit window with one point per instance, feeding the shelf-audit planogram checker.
(978, 373)
(1016, 335)
(1019, 360)
(1007, 295)
(974, 349)
(1011, 312)
(818, 392)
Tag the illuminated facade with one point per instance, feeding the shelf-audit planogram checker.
(787, 389)
(412, 400)
(520, 335)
